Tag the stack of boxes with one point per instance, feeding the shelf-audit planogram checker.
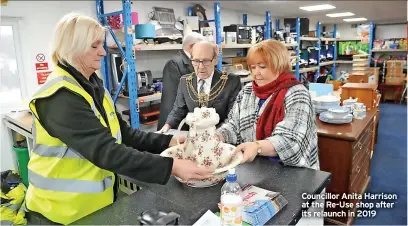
(395, 74)
(361, 69)
(360, 64)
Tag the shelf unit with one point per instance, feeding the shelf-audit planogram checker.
(130, 58)
(388, 50)
(319, 41)
(130, 70)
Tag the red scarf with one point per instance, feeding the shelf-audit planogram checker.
(275, 110)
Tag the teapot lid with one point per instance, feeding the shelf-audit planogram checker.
(203, 117)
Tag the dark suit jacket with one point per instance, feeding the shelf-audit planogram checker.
(176, 67)
(222, 103)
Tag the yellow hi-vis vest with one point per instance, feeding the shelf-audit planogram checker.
(63, 185)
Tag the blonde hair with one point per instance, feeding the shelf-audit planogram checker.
(272, 53)
(73, 37)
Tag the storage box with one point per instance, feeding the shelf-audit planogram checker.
(240, 60)
(395, 63)
(398, 71)
(260, 205)
(394, 80)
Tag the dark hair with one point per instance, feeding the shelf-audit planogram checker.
(322, 70)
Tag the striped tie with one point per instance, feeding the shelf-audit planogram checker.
(201, 92)
(201, 82)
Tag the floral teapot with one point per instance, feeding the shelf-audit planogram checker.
(202, 144)
(203, 147)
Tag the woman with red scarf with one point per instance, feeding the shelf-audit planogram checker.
(273, 116)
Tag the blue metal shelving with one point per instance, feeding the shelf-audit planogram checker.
(334, 51)
(297, 48)
(267, 25)
(127, 54)
(218, 30)
(319, 46)
(371, 42)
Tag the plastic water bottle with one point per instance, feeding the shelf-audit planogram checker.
(231, 201)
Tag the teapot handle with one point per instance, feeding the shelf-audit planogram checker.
(179, 129)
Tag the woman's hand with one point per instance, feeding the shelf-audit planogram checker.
(249, 151)
(173, 141)
(188, 170)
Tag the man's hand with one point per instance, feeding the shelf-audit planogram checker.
(173, 141)
(249, 150)
(188, 170)
(164, 129)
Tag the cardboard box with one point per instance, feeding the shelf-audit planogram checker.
(396, 71)
(260, 205)
(394, 80)
(395, 63)
(240, 60)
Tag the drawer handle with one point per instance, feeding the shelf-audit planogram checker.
(358, 169)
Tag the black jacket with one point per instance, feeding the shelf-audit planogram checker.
(222, 103)
(176, 67)
(68, 117)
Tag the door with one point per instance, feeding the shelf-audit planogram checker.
(12, 86)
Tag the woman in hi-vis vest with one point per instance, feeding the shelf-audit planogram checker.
(80, 142)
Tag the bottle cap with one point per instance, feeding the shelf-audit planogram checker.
(232, 176)
(231, 171)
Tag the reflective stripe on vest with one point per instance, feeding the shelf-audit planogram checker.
(54, 81)
(13, 207)
(64, 185)
(4, 222)
(56, 152)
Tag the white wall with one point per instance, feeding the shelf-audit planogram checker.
(38, 19)
(391, 31)
(382, 31)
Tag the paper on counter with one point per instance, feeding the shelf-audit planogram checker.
(209, 218)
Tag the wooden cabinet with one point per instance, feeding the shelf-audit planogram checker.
(365, 92)
(358, 79)
(345, 152)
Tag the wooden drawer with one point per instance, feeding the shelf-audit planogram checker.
(364, 137)
(360, 175)
(362, 152)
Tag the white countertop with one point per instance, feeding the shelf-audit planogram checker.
(22, 119)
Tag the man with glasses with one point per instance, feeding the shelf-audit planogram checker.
(177, 66)
(205, 87)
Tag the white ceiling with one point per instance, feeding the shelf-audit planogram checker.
(376, 11)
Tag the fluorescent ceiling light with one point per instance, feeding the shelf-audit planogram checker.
(355, 19)
(340, 14)
(317, 7)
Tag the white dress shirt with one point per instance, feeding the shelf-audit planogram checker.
(207, 84)
(189, 56)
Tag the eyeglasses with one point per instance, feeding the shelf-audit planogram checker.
(205, 62)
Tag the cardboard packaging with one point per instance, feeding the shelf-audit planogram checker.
(394, 80)
(260, 205)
